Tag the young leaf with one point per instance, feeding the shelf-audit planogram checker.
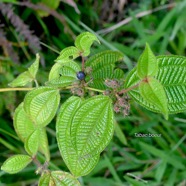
(27, 76)
(84, 41)
(41, 105)
(171, 74)
(46, 180)
(77, 166)
(23, 125)
(21, 80)
(64, 178)
(16, 163)
(34, 67)
(68, 54)
(147, 64)
(102, 65)
(154, 93)
(32, 142)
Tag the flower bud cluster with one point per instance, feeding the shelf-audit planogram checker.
(112, 83)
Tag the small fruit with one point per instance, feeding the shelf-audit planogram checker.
(81, 75)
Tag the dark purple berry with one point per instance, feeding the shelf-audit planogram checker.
(81, 75)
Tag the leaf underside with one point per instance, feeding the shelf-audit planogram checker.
(172, 75)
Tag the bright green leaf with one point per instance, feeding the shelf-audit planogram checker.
(84, 41)
(34, 67)
(41, 105)
(147, 64)
(68, 54)
(77, 166)
(43, 144)
(103, 67)
(64, 178)
(27, 76)
(171, 74)
(21, 80)
(45, 180)
(23, 125)
(32, 143)
(154, 93)
(84, 129)
(16, 163)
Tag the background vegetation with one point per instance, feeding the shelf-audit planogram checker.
(27, 27)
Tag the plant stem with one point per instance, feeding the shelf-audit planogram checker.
(14, 89)
(83, 63)
(129, 89)
(94, 89)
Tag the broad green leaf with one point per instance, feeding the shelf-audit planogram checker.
(64, 178)
(34, 67)
(62, 75)
(46, 180)
(27, 76)
(171, 74)
(102, 65)
(77, 166)
(84, 41)
(16, 163)
(32, 142)
(21, 80)
(43, 144)
(154, 93)
(68, 54)
(23, 125)
(41, 105)
(92, 126)
(147, 63)
(84, 129)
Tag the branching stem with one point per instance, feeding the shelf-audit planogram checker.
(129, 89)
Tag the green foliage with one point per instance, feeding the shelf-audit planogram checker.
(27, 76)
(85, 123)
(147, 64)
(41, 105)
(58, 178)
(153, 92)
(171, 74)
(16, 163)
(81, 137)
(84, 41)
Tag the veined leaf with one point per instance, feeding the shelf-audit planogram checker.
(84, 41)
(23, 125)
(84, 129)
(21, 80)
(45, 179)
(41, 105)
(68, 54)
(62, 75)
(32, 142)
(92, 126)
(154, 93)
(58, 178)
(64, 178)
(77, 166)
(171, 74)
(43, 144)
(34, 67)
(103, 65)
(27, 76)
(147, 64)
(16, 163)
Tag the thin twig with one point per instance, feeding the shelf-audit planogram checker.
(14, 89)
(129, 89)
(129, 19)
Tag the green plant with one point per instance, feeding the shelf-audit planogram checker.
(85, 122)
